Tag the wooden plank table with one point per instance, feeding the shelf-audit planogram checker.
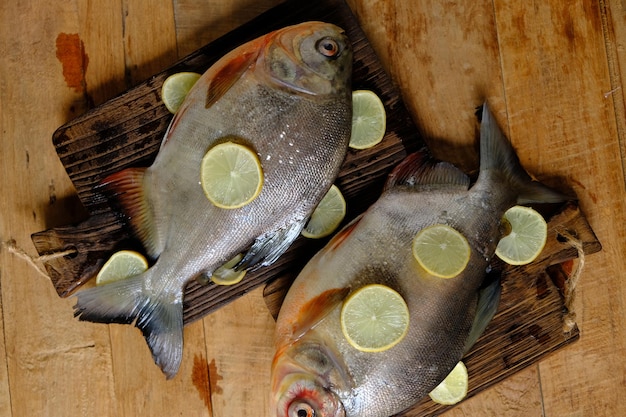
(551, 72)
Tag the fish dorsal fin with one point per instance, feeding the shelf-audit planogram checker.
(126, 187)
(316, 309)
(422, 172)
(229, 74)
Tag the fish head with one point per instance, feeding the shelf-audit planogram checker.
(313, 58)
(305, 378)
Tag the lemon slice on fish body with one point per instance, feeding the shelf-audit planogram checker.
(374, 318)
(231, 175)
(441, 250)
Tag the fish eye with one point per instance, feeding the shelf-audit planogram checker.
(301, 410)
(328, 47)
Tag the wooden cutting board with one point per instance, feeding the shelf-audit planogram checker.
(127, 130)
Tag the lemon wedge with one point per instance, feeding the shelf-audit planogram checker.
(453, 388)
(175, 89)
(121, 265)
(226, 275)
(369, 119)
(231, 175)
(527, 236)
(327, 215)
(441, 250)
(374, 318)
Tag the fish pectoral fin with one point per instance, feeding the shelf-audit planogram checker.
(488, 301)
(227, 75)
(420, 171)
(126, 187)
(343, 234)
(317, 308)
(267, 248)
(160, 320)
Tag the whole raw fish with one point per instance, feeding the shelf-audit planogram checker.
(315, 371)
(287, 96)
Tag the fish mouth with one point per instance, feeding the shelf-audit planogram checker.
(300, 395)
(305, 379)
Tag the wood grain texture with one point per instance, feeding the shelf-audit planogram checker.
(548, 71)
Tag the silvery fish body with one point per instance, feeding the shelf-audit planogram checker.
(286, 96)
(315, 371)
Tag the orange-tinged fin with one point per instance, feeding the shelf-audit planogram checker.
(343, 234)
(420, 171)
(228, 75)
(126, 187)
(314, 310)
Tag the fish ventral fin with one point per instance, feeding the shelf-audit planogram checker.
(125, 302)
(497, 154)
(420, 171)
(126, 187)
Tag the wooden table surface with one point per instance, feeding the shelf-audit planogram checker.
(550, 69)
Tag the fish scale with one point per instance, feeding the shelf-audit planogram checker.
(315, 371)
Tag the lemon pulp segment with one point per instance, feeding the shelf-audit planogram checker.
(527, 237)
(226, 275)
(175, 89)
(453, 388)
(441, 250)
(327, 215)
(374, 318)
(369, 119)
(231, 175)
(121, 265)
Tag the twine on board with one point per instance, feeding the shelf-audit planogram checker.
(569, 319)
(35, 262)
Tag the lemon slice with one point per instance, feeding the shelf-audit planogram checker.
(527, 237)
(226, 275)
(231, 175)
(441, 250)
(369, 119)
(121, 265)
(175, 89)
(327, 215)
(374, 318)
(452, 389)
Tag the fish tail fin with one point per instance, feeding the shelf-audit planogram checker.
(125, 302)
(497, 154)
(126, 187)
